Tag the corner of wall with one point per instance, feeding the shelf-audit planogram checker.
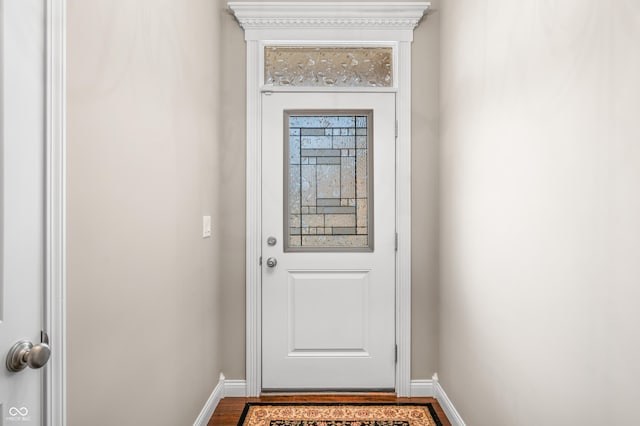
(210, 406)
(446, 404)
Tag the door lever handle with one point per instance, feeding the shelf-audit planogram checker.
(25, 354)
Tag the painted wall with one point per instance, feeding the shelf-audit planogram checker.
(143, 137)
(540, 200)
(425, 114)
(425, 71)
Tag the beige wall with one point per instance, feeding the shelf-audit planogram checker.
(540, 204)
(425, 113)
(232, 211)
(143, 140)
(425, 169)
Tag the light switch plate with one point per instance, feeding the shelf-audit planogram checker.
(206, 226)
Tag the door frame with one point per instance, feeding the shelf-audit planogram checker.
(55, 216)
(328, 24)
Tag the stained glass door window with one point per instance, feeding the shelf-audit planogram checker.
(328, 180)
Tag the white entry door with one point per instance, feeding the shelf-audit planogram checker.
(328, 228)
(22, 211)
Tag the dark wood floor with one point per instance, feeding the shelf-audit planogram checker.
(229, 410)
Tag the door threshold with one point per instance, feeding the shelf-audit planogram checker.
(308, 392)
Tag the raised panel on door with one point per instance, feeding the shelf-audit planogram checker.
(311, 298)
(329, 204)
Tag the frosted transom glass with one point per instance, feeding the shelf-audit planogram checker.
(328, 66)
(327, 181)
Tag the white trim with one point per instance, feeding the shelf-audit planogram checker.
(446, 404)
(362, 21)
(211, 404)
(295, 89)
(235, 388)
(401, 15)
(327, 23)
(421, 388)
(403, 221)
(55, 287)
(254, 225)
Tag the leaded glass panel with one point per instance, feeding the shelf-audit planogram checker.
(328, 66)
(328, 181)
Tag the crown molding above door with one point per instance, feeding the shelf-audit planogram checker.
(402, 15)
(354, 21)
(327, 24)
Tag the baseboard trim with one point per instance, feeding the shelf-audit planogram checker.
(211, 404)
(237, 388)
(446, 404)
(421, 388)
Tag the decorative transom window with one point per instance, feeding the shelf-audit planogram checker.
(312, 66)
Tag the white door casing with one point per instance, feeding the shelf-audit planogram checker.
(32, 205)
(328, 24)
(329, 316)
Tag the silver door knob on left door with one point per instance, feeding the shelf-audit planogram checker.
(271, 262)
(24, 353)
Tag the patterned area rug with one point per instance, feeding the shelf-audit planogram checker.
(338, 414)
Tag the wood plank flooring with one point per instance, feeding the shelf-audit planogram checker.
(229, 410)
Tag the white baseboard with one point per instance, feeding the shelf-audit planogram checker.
(421, 388)
(223, 389)
(446, 404)
(211, 404)
(236, 388)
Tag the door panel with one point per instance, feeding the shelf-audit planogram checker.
(328, 201)
(311, 297)
(23, 197)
